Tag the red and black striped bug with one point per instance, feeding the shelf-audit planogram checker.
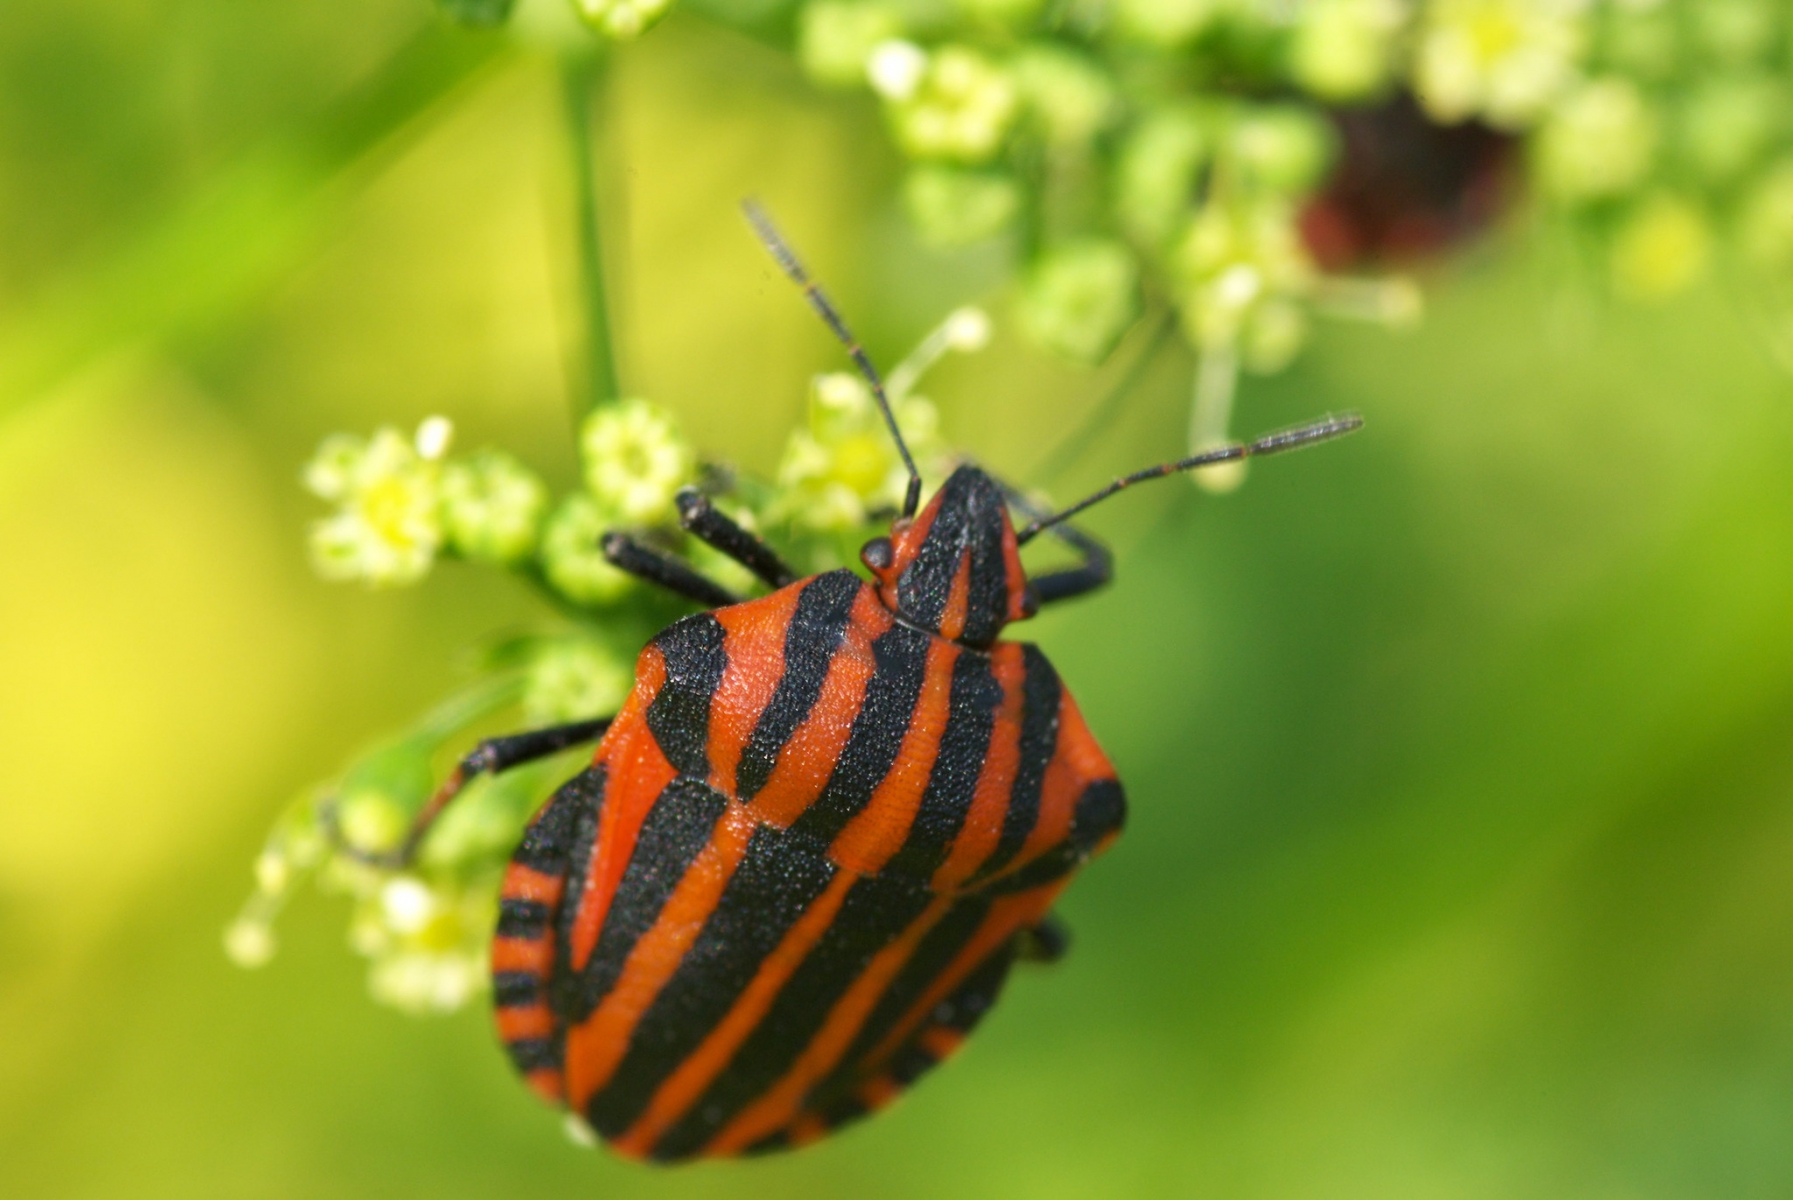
(820, 831)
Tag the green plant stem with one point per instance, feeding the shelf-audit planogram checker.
(582, 80)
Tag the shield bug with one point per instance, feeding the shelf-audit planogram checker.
(820, 831)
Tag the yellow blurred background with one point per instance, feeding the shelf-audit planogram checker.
(1460, 754)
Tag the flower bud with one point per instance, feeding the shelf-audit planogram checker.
(620, 20)
(1765, 223)
(492, 507)
(1274, 335)
(1156, 171)
(1502, 60)
(835, 40)
(1734, 32)
(955, 206)
(1661, 249)
(379, 795)
(635, 460)
(572, 559)
(961, 108)
(1597, 144)
(1079, 298)
(844, 465)
(1283, 147)
(1002, 12)
(1166, 23)
(1343, 49)
(1728, 125)
(1642, 41)
(574, 679)
(386, 529)
(1069, 94)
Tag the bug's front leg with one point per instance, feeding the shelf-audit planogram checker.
(1095, 571)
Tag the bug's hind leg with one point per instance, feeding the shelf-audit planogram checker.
(626, 554)
(491, 757)
(528, 950)
(1046, 942)
(703, 520)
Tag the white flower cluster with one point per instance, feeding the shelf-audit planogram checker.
(423, 914)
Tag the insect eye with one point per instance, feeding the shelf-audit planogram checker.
(1030, 601)
(878, 554)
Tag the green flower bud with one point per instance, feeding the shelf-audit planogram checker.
(1156, 170)
(635, 460)
(1765, 222)
(1598, 144)
(1273, 336)
(1735, 32)
(1642, 42)
(1002, 12)
(386, 529)
(492, 507)
(1344, 49)
(1230, 260)
(380, 794)
(1661, 249)
(477, 12)
(1284, 148)
(1079, 298)
(574, 679)
(961, 108)
(1502, 60)
(422, 983)
(620, 20)
(835, 40)
(1728, 125)
(1071, 96)
(571, 558)
(835, 472)
(955, 206)
(1166, 23)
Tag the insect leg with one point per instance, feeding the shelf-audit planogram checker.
(491, 757)
(1096, 570)
(1046, 942)
(643, 562)
(701, 518)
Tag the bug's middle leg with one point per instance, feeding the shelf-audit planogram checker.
(675, 575)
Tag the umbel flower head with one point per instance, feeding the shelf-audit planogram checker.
(387, 525)
(1502, 60)
(635, 460)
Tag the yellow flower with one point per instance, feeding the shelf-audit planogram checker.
(1504, 61)
(635, 460)
(387, 528)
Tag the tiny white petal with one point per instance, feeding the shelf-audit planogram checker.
(895, 69)
(248, 942)
(968, 329)
(433, 436)
(407, 904)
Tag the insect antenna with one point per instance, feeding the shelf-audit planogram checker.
(787, 260)
(1314, 432)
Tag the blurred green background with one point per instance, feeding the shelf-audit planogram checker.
(1461, 856)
